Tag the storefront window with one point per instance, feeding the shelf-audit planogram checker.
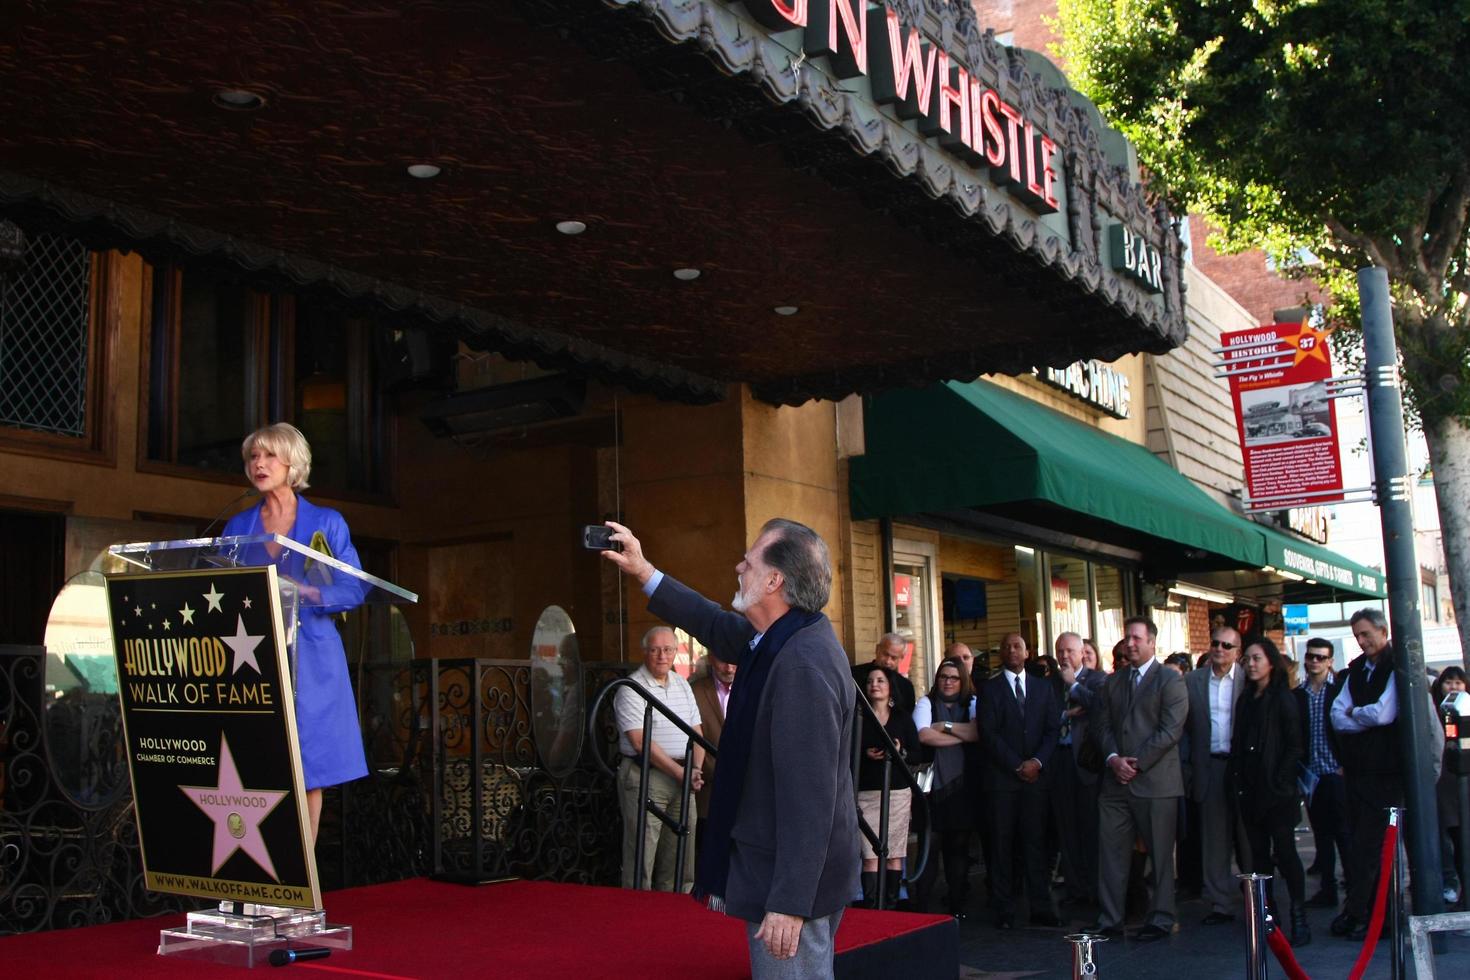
(1033, 608)
(916, 610)
(1070, 609)
(1109, 605)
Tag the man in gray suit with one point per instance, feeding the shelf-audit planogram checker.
(1213, 694)
(780, 849)
(1139, 727)
(1074, 789)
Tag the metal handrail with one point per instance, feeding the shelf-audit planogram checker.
(680, 827)
(891, 755)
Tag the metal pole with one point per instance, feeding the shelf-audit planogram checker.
(1464, 781)
(1396, 901)
(1254, 886)
(643, 758)
(683, 830)
(882, 849)
(1396, 513)
(1083, 964)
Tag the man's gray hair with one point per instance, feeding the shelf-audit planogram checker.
(889, 639)
(800, 555)
(648, 637)
(1374, 616)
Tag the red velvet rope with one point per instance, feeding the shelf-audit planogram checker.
(1285, 956)
(1380, 903)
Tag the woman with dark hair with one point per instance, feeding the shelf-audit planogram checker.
(878, 686)
(1264, 751)
(945, 721)
(1451, 681)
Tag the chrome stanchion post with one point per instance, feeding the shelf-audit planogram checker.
(1256, 925)
(1083, 964)
(1396, 897)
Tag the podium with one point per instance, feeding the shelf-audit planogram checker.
(206, 632)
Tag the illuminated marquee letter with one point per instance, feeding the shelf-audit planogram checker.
(778, 15)
(822, 36)
(949, 116)
(896, 61)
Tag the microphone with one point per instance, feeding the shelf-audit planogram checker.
(285, 957)
(226, 509)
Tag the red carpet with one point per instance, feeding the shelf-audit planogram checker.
(422, 928)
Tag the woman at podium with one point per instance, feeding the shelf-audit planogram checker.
(277, 464)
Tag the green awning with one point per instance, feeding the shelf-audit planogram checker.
(1318, 566)
(963, 445)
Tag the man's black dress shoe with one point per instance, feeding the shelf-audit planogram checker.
(1004, 922)
(1107, 932)
(1343, 925)
(1323, 900)
(1216, 918)
(1044, 919)
(1150, 933)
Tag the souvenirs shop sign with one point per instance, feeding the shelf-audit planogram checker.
(922, 81)
(209, 727)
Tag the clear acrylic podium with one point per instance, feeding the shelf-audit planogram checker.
(239, 933)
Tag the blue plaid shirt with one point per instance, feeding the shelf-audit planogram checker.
(1323, 762)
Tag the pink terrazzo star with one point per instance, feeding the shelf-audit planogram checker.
(237, 813)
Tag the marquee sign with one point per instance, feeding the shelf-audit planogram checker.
(1132, 255)
(1093, 382)
(210, 731)
(924, 82)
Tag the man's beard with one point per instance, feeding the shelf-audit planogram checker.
(746, 597)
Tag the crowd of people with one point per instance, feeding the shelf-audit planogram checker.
(1073, 787)
(1163, 774)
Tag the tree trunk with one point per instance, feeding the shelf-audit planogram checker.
(1449, 453)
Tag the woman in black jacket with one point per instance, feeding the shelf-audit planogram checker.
(878, 687)
(1265, 748)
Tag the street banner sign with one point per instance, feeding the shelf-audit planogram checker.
(1285, 420)
(210, 729)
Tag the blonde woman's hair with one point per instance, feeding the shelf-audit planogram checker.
(284, 441)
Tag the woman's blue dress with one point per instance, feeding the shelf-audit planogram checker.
(326, 714)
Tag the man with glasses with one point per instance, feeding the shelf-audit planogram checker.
(1074, 789)
(1326, 808)
(666, 765)
(1213, 695)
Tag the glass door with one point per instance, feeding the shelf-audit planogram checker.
(916, 610)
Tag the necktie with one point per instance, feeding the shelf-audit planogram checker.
(1020, 696)
(1133, 685)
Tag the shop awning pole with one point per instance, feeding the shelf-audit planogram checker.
(1401, 567)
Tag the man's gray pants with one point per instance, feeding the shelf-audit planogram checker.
(1221, 838)
(814, 952)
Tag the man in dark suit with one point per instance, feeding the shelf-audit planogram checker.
(781, 848)
(1213, 693)
(1139, 727)
(1019, 720)
(1074, 789)
(1365, 715)
(712, 695)
(889, 653)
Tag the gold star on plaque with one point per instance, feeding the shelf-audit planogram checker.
(213, 598)
(186, 615)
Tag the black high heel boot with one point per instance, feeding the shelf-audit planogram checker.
(870, 889)
(1300, 934)
(892, 882)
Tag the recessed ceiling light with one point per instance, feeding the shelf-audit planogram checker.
(238, 99)
(687, 274)
(424, 171)
(787, 310)
(571, 227)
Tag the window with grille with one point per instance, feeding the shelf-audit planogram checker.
(44, 336)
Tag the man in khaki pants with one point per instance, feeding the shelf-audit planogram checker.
(667, 748)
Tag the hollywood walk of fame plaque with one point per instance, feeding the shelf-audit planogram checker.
(210, 729)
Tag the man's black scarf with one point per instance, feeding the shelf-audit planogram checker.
(713, 866)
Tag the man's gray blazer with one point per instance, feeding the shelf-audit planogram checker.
(795, 839)
(1197, 730)
(1148, 729)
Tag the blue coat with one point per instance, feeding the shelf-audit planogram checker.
(795, 837)
(326, 713)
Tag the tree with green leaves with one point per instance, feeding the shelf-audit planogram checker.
(1338, 129)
